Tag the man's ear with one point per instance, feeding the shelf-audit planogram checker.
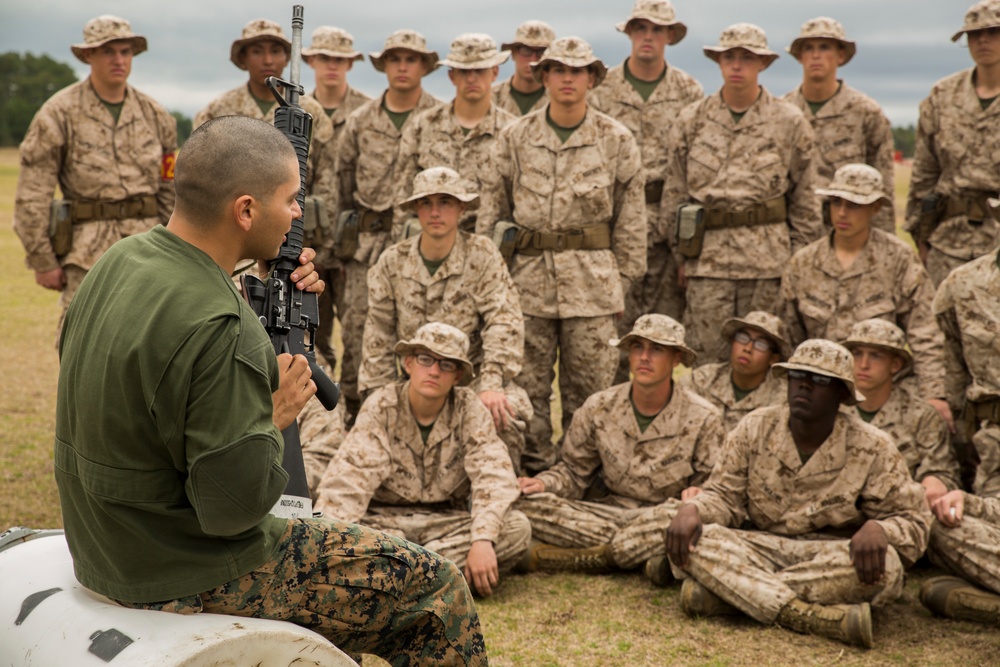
(243, 212)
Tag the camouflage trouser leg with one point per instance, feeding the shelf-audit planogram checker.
(987, 444)
(365, 591)
(515, 434)
(656, 292)
(759, 573)
(572, 524)
(586, 365)
(970, 550)
(450, 533)
(712, 301)
(939, 265)
(331, 303)
(644, 535)
(74, 276)
(352, 321)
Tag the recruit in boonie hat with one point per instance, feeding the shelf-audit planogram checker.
(823, 27)
(662, 330)
(657, 12)
(441, 181)
(982, 15)
(763, 322)
(440, 339)
(882, 334)
(332, 42)
(823, 357)
(258, 30)
(405, 40)
(474, 50)
(742, 36)
(536, 34)
(857, 183)
(103, 29)
(571, 52)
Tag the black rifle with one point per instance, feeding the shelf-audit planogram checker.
(291, 315)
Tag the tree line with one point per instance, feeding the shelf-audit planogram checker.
(27, 80)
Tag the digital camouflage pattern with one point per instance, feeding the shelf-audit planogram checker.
(474, 50)
(971, 549)
(714, 383)
(503, 99)
(536, 34)
(856, 475)
(957, 144)
(982, 15)
(74, 142)
(719, 301)
(258, 30)
(763, 322)
(821, 299)
(852, 128)
(884, 335)
(967, 306)
(407, 40)
(107, 28)
(920, 434)
(445, 341)
(239, 102)
(823, 27)
(364, 590)
(464, 465)
(856, 182)
(333, 42)
(742, 36)
(435, 139)
(825, 357)
(648, 119)
(571, 52)
(657, 12)
(321, 433)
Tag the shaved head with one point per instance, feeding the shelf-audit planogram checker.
(226, 158)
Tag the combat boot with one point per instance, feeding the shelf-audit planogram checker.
(696, 600)
(952, 597)
(849, 623)
(658, 572)
(543, 557)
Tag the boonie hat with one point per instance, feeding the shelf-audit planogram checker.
(823, 27)
(258, 30)
(825, 358)
(332, 42)
(474, 50)
(441, 181)
(536, 34)
(882, 334)
(858, 183)
(408, 40)
(443, 340)
(985, 14)
(658, 12)
(107, 28)
(763, 322)
(660, 329)
(571, 52)
(742, 36)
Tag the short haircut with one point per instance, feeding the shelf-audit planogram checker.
(226, 158)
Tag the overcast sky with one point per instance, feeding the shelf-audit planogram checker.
(903, 45)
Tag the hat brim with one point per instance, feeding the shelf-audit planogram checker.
(499, 59)
(240, 44)
(850, 48)
(854, 197)
(734, 324)
(430, 57)
(353, 55)
(780, 370)
(538, 68)
(680, 30)
(471, 201)
(406, 349)
(688, 355)
(903, 353)
(510, 46)
(714, 52)
(139, 45)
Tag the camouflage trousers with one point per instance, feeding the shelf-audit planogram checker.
(331, 306)
(759, 573)
(365, 591)
(352, 321)
(514, 435)
(635, 534)
(712, 301)
(449, 533)
(74, 276)
(970, 550)
(586, 365)
(987, 444)
(656, 292)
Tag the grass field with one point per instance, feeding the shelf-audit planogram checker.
(537, 620)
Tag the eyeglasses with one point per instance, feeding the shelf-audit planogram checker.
(759, 344)
(814, 378)
(446, 365)
(529, 51)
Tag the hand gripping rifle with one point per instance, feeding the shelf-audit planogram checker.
(289, 314)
